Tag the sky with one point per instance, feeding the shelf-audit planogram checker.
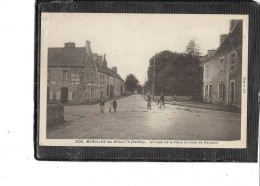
(130, 40)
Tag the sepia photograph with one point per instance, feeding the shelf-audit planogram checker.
(143, 80)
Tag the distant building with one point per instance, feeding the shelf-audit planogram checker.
(76, 76)
(223, 68)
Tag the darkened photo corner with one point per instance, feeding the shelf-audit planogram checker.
(140, 82)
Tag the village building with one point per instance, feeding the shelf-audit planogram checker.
(223, 68)
(77, 76)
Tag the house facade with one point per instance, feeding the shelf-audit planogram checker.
(222, 74)
(77, 76)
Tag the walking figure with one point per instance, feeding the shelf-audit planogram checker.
(114, 105)
(110, 107)
(161, 101)
(149, 100)
(102, 104)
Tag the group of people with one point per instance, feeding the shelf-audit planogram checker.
(112, 104)
(149, 100)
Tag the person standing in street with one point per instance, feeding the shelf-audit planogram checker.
(161, 101)
(114, 105)
(149, 100)
(102, 104)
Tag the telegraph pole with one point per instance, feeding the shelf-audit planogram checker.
(153, 74)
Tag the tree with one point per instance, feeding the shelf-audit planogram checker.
(147, 86)
(175, 74)
(193, 48)
(139, 89)
(131, 83)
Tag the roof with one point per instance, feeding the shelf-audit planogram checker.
(108, 71)
(231, 42)
(66, 57)
(74, 57)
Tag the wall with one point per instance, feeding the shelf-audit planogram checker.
(236, 75)
(55, 114)
(81, 92)
(102, 86)
(56, 82)
(216, 77)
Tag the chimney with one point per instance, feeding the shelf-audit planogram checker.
(114, 69)
(222, 38)
(95, 57)
(87, 46)
(211, 53)
(105, 62)
(70, 45)
(99, 60)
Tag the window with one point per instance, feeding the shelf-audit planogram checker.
(103, 79)
(58, 93)
(49, 74)
(92, 77)
(232, 61)
(74, 78)
(210, 90)
(65, 75)
(206, 91)
(221, 65)
(221, 91)
(207, 70)
(100, 79)
(91, 93)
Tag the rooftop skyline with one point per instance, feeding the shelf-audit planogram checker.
(130, 40)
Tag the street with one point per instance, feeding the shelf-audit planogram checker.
(134, 121)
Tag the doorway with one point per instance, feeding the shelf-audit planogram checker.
(64, 94)
(232, 89)
(210, 92)
(111, 91)
(91, 93)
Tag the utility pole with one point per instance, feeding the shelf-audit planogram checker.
(153, 74)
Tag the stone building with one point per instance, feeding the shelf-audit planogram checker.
(76, 76)
(222, 74)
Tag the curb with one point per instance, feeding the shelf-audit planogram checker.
(193, 106)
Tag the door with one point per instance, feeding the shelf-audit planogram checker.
(210, 93)
(64, 94)
(91, 93)
(232, 86)
(108, 91)
(111, 91)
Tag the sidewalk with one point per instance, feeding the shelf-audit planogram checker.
(226, 108)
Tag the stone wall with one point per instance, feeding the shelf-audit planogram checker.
(55, 114)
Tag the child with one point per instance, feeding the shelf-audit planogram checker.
(110, 107)
(102, 103)
(114, 105)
